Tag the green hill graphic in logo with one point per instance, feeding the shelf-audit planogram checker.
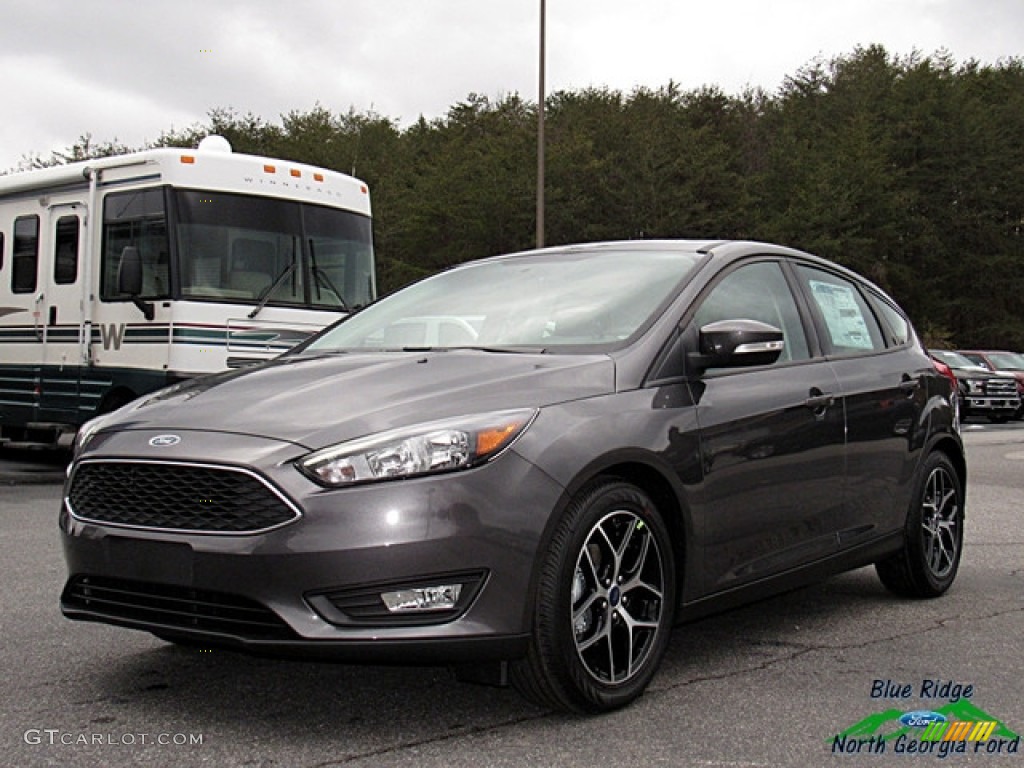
(886, 725)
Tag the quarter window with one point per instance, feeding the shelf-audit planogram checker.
(850, 326)
(897, 326)
(24, 272)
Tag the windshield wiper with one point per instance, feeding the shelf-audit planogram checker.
(319, 275)
(497, 350)
(265, 295)
(513, 350)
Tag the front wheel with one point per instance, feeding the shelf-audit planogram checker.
(604, 605)
(934, 537)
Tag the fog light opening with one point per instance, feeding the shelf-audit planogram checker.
(441, 597)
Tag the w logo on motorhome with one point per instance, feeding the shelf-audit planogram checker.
(113, 335)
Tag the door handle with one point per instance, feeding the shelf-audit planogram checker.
(908, 386)
(819, 401)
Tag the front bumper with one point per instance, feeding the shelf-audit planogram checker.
(992, 404)
(484, 524)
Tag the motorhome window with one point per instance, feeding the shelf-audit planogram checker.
(25, 259)
(65, 250)
(137, 218)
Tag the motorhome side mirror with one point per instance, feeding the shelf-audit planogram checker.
(737, 343)
(129, 279)
(129, 272)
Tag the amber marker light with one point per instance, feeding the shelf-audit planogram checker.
(295, 172)
(188, 159)
(269, 169)
(488, 440)
(318, 177)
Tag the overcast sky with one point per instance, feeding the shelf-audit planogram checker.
(132, 69)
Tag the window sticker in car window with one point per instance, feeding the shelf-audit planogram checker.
(843, 316)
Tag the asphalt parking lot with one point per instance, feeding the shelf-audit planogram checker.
(770, 684)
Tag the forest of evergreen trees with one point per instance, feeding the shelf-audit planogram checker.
(909, 170)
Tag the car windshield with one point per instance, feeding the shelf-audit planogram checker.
(1006, 361)
(559, 299)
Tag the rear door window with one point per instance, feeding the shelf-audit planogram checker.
(850, 327)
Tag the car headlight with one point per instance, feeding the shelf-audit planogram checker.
(439, 446)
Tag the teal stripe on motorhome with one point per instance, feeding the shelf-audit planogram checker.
(150, 334)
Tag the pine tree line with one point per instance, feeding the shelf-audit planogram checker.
(909, 170)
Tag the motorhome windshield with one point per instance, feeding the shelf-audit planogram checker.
(239, 248)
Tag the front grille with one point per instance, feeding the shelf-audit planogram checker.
(139, 602)
(176, 497)
(1001, 387)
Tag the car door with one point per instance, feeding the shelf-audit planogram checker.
(771, 440)
(881, 377)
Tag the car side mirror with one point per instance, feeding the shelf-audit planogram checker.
(736, 344)
(129, 279)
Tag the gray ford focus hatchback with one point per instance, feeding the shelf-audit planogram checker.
(530, 467)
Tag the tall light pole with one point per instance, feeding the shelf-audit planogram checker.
(540, 137)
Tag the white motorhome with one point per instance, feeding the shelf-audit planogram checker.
(123, 274)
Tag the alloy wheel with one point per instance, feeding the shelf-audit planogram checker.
(940, 522)
(617, 597)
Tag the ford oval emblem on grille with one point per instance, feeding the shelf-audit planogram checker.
(162, 441)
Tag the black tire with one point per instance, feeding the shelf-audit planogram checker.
(604, 604)
(934, 537)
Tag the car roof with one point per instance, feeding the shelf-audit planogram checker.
(720, 250)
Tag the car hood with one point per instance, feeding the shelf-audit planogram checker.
(1018, 375)
(317, 401)
(978, 373)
